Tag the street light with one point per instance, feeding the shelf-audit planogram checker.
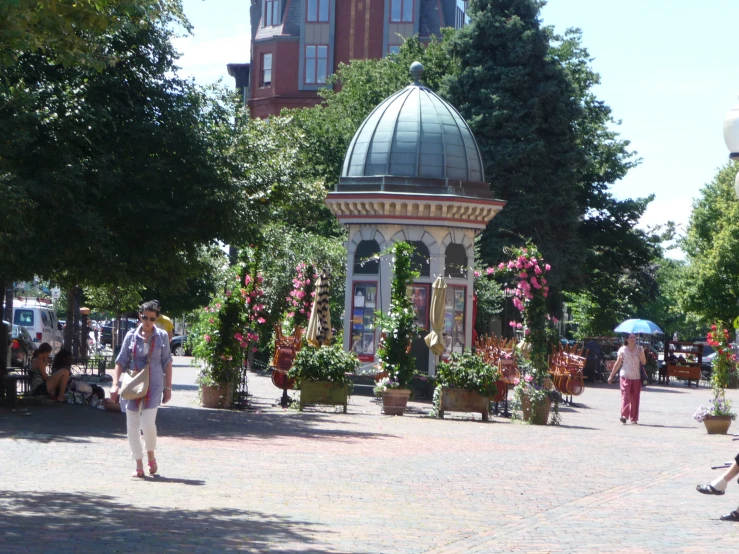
(731, 138)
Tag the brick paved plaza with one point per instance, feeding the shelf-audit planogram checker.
(279, 481)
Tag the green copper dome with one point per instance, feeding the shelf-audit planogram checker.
(414, 134)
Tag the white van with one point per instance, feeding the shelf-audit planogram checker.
(38, 316)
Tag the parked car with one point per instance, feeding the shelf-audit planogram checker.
(37, 315)
(22, 347)
(180, 346)
(106, 331)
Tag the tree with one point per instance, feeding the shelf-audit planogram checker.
(63, 28)
(131, 183)
(710, 283)
(521, 108)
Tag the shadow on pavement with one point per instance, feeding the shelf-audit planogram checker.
(80, 423)
(43, 522)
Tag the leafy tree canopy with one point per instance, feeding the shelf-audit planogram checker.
(710, 283)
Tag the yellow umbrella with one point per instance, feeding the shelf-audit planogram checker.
(434, 339)
(319, 325)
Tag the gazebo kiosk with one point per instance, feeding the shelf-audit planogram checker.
(413, 172)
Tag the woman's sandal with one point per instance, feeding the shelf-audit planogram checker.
(153, 468)
(708, 489)
(139, 473)
(731, 516)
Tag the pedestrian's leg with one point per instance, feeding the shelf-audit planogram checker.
(148, 424)
(634, 396)
(133, 429)
(58, 380)
(624, 399)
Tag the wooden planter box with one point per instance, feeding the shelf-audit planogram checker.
(216, 397)
(323, 392)
(684, 372)
(463, 400)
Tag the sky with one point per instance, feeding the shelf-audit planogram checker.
(669, 71)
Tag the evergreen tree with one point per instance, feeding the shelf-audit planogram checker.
(521, 108)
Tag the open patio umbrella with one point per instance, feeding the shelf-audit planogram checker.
(639, 326)
(434, 339)
(319, 325)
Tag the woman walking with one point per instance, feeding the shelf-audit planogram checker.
(145, 344)
(629, 361)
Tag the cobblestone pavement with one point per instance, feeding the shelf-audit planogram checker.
(273, 480)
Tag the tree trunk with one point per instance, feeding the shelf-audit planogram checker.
(69, 325)
(77, 329)
(9, 303)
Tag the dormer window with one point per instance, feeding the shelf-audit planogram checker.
(401, 11)
(271, 12)
(317, 11)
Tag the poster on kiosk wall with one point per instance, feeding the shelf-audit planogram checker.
(364, 304)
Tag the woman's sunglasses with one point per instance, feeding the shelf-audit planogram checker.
(152, 319)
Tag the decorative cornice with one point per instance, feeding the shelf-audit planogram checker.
(413, 209)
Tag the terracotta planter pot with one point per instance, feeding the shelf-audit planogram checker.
(323, 392)
(463, 400)
(717, 425)
(216, 397)
(394, 401)
(538, 415)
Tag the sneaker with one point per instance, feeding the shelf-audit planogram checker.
(623, 420)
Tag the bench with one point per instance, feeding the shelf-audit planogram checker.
(11, 378)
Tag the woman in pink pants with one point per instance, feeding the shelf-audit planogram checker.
(630, 358)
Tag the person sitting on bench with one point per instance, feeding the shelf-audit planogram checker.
(54, 385)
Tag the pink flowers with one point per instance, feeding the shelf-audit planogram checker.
(490, 271)
(547, 267)
(207, 338)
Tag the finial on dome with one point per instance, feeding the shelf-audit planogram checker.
(416, 72)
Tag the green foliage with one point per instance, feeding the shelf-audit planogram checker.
(327, 363)
(288, 247)
(113, 298)
(468, 371)
(131, 152)
(399, 324)
(63, 28)
(709, 285)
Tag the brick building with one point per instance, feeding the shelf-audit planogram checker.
(296, 44)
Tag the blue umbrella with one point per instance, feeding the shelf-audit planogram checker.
(643, 326)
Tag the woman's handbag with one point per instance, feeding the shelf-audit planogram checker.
(644, 376)
(136, 383)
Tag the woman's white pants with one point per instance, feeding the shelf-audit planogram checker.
(146, 422)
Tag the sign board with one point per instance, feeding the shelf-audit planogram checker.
(736, 322)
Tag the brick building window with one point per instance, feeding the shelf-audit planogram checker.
(316, 64)
(460, 15)
(265, 77)
(271, 12)
(318, 11)
(401, 11)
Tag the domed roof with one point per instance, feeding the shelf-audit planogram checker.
(414, 134)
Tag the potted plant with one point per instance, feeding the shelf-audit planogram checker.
(526, 268)
(321, 375)
(398, 328)
(465, 384)
(223, 333)
(717, 419)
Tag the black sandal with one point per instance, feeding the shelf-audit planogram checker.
(708, 489)
(731, 516)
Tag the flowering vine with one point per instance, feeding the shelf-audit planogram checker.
(528, 272)
(227, 327)
(300, 299)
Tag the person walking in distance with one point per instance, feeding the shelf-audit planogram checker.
(718, 487)
(141, 414)
(630, 358)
